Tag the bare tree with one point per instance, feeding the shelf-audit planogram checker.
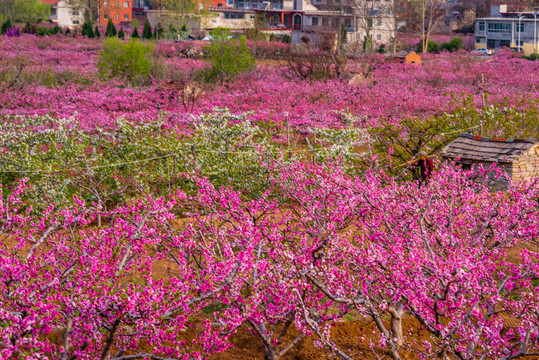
(429, 11)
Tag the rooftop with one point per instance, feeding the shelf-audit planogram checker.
(479, 148)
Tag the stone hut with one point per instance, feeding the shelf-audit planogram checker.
(518, 158)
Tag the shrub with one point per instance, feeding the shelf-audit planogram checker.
(13, 32)
(367, 43)
(147, 31)
(531, 57)
(454, 45)
(68, 32)
(129, 61)
(287, 39)
(432, 47)
(121, 33)
(96, 32)
(228, 57)
(135, 35)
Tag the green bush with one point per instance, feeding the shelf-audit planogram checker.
(228, 57)
(432, 47)
(127, 61)
(68, 32)
(454, 45)
(531, 57)
(135, 35)
(121, 33)
(287, 39)
(96, 32)
(367, 43)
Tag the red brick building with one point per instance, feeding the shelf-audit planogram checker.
(117, 10)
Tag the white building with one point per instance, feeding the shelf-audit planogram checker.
(298, 18)
(64, 13)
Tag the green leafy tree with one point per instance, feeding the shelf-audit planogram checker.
(121, 33)
(111, 29)
(22, 11)
(147, 31)
(128, 61)
(96, 32)
(228, 57)
(135, 35)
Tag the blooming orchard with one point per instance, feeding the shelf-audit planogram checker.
(133, 227)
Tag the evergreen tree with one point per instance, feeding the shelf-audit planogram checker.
(90, 29)
(84, 30)
(158, 32)
(111, 29)
(68, 32)
(96, 32)
(135, 35)
(121, 34)
(6, 25)
(147, 31)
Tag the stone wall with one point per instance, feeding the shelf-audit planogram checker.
(527, 165)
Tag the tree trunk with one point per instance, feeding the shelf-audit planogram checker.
(396, 323)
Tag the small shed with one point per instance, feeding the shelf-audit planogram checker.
(519, 158)
(408, 57)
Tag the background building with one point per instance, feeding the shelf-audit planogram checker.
(510, 29)
(64, 13)
(117, 10)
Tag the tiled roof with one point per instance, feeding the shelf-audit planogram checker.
(50, 2)
(468, 147)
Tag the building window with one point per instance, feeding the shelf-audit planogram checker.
(201, 6)
(379, 22)
(75, 13)
(126, 4)
(481, 26)
(499, 28)
(369, 23)
(126, 17)
(378, 37)
(106, 4)
(234, 16)
(75, 22)
(106, 16)
(314, 21)
(117, 16)
(520, 28)
(241, 4)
